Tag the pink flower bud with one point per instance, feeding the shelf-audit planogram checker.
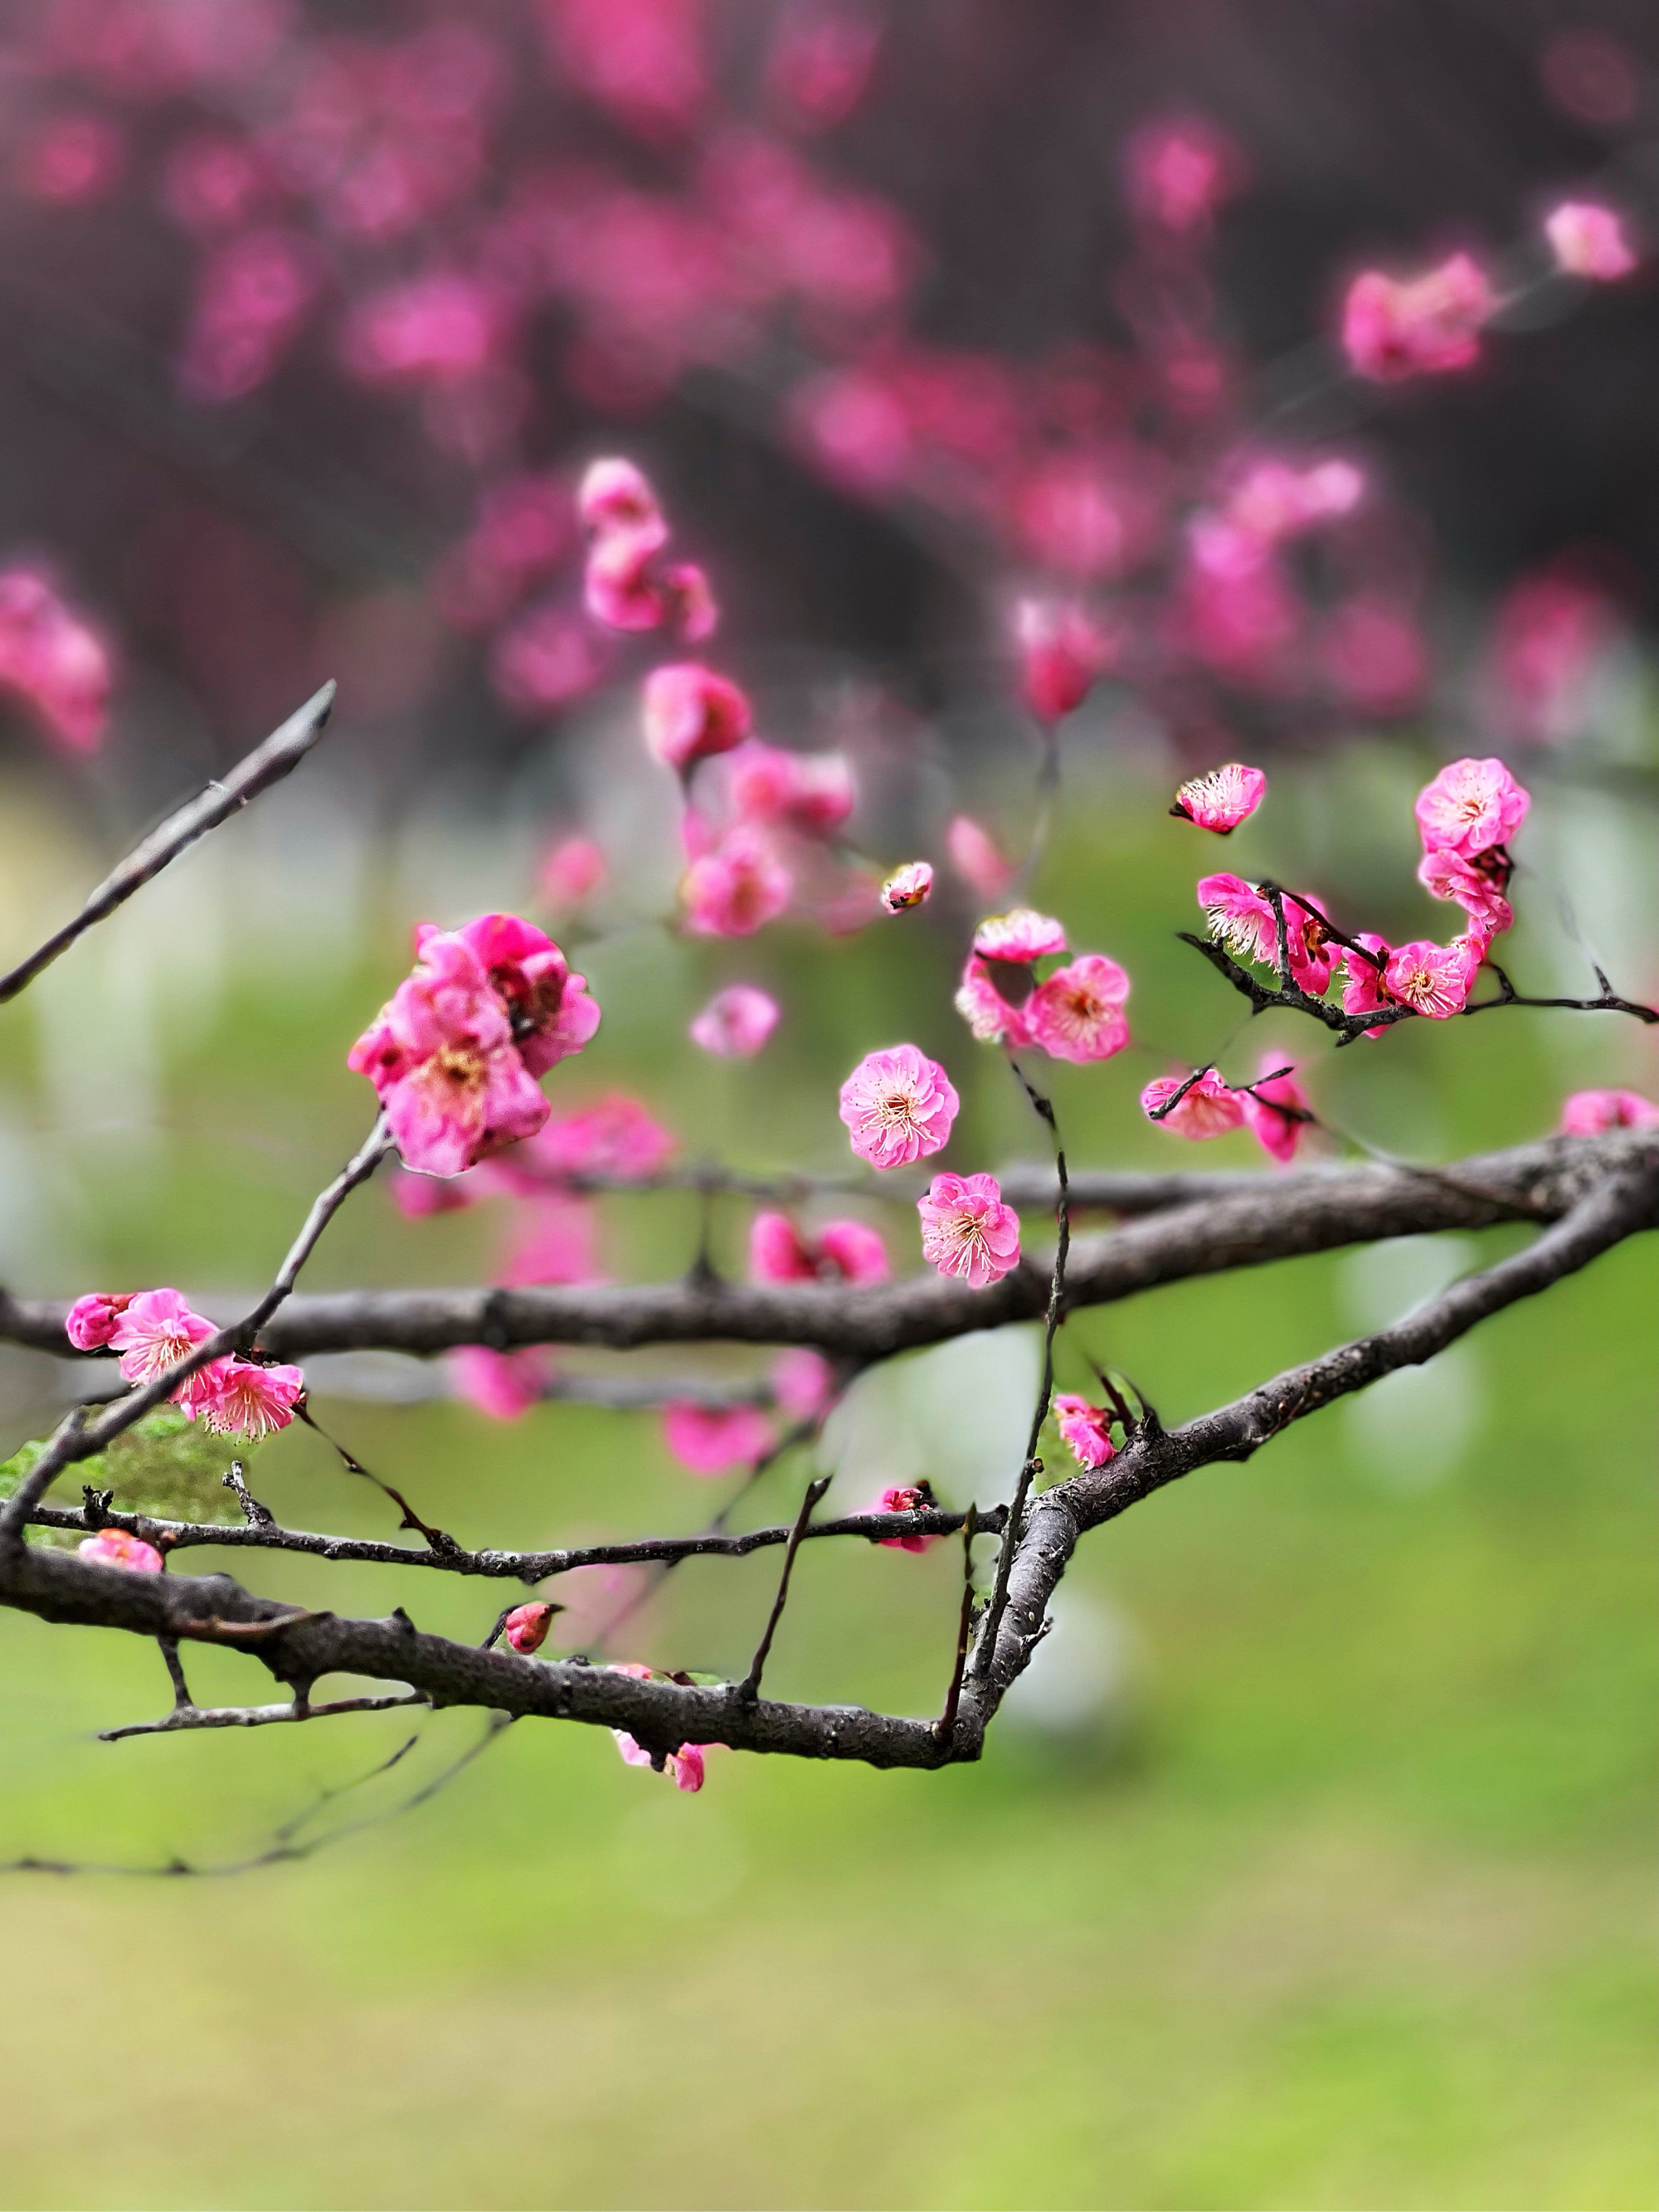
(898, 1106)
(690, 714)
(737, 1022)
(1392, 330)
(1062, 653)
(526, 1627)
(1588, 241)
(113, 1547)
(968, 1231)
(1222, 799)
(92, 1321)
(1021, 935)
(614, 497)
(907, 887)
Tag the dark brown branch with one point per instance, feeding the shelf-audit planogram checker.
(749, 1689)
(279, 756)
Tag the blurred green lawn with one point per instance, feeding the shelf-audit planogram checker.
(1351, 1904)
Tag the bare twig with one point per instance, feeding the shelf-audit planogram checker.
(749, 1689)
(185, 1717)
(947, 1719)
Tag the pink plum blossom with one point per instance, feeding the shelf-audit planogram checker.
(976, 857)
(526, 1627)
(685, 1768)
(1434, 979)
(1206, 1109)
(906, 1498)
(692, 606)
(1549, 636)
(614, 498)
(737, 887)
(238, 1397)
(803, 1383)
(114, 1547)
(620, 587)
(1363, 989)
(907, 887)
(898, 1106)
(1062, 654)
(812, 793)
(551, 1013)
(714, 1439)
(1273, 499)
(1373, 654)
(68, 160)
(691, 714)
(546, 657)
(1393, 329)
(1077, 1014)
(505, 1385)
(437, 329)
(1446, 875)
(1276, 1110)
(737, 1022)
(1086, 1429)
(968, 1231)
(53, 659)
(441, 1057)
(840, 1252)
(1588, 241)
(1241, 917)
(616, 1136)
(1020, 935)
(1470, 806)
(572, 871)
(1179, 171)
(1222, 799)
(156, 1331)
(92, 1320)
(992, 1016)
(1592, 1113)
(553, 1241)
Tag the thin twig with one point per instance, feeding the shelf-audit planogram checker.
(947, 1719)
(185, 1717)
(749, 1689)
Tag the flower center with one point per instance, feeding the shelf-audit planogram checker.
(461, 1063)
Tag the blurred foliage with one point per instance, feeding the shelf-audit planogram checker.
(164, 1465)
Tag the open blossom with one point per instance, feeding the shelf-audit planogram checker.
(737, 887)
(1363, 989)
(1062, 653)
(551, 1013)
(1078, 1014)
(1470, 806)
(803, 1383)
(113, 1547)
(968, 1231)
(685, 1768)
(1434, 979)
(155, 1332)
(1222, 799)
(1020, 934)
(526, 1627)
(571, 873)
(812, 793)
(1242, 919)
(691, 714)
(898, 1106)
(241, 1398)
(441, 1057)
(713, 1439)
(504, 1385)
(1086, 1429)
(907, 887)
(980, 1001)
(840, 1252)
(1207, 1108)
(737, 1022)
(976, 857)
(93, 1319)
(1588, 241)
(1448, 876)
(1276, 1110)
(906, 1498)
(1592, 1113)
(1392, 330)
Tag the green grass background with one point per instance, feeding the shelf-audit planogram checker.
(1351, 1903)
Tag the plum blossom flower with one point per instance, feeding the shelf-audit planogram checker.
(713, 1439)
(1446, 876)
(1062, 654)
(1178, 171)
(553, 1241)
(906, 1498)
(907, 886)
(620, 587)
(1434, 979)
(737, 1022)
(1276, 1110)
(1391, 329)
(737, 887)
(803, 1383)
(1086, 1429)
(812, 793)
(114, 1547)
(156, 1331)
(968, 1231)
(1207, 1108)
(898, 1106)
(691, 714)
(1221, 800)
(1241, 917)
(1364, 990)
(1588, 241)
(616, 497)
(840, 1252)
(1469, 807)
(976, 857)
(1021, 934)
(504, 1385)
(616, 1136)
(551, 1013)
(1592, 1113)
(238, 1397)
(53, 659)
(994, 1002)
(1077, 1014)
(685, 1768)
(1273, 499)
(526, 1627)
(441, 1057)
(93, 1319)
(572, 871)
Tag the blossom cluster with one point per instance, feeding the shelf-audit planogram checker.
(1075, 1012)
(154, 1330)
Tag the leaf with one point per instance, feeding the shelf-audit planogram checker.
(166, 1466)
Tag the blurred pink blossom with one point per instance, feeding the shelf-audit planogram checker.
(1179, 170)
(968, 1231)
(69, 160)
(212, 180)
(547, 657)
(504, 1385)
(812, 793)
(852, 429)
(1588, 241)
(737, 1022)
(114, 1547)
(1374, 655)
(435, 329)
(253, 293)
(1274, 1111)
(819, 63)
(1062, 653)
(975, 858)
(898, 1106)
(1207, 1108)
(52, 658)
(642, 59)
(616, 1136)
(690, 714)
(572, 871)
(908, 887)
(840, 1252)
(1592, 1113)
(803, 1383)
(714, 1440)
(1393, 329)
(736, 888)
(1549, 635)
(553, 1241)
(1274, 499)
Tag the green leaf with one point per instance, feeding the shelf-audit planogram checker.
(166, 1465)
